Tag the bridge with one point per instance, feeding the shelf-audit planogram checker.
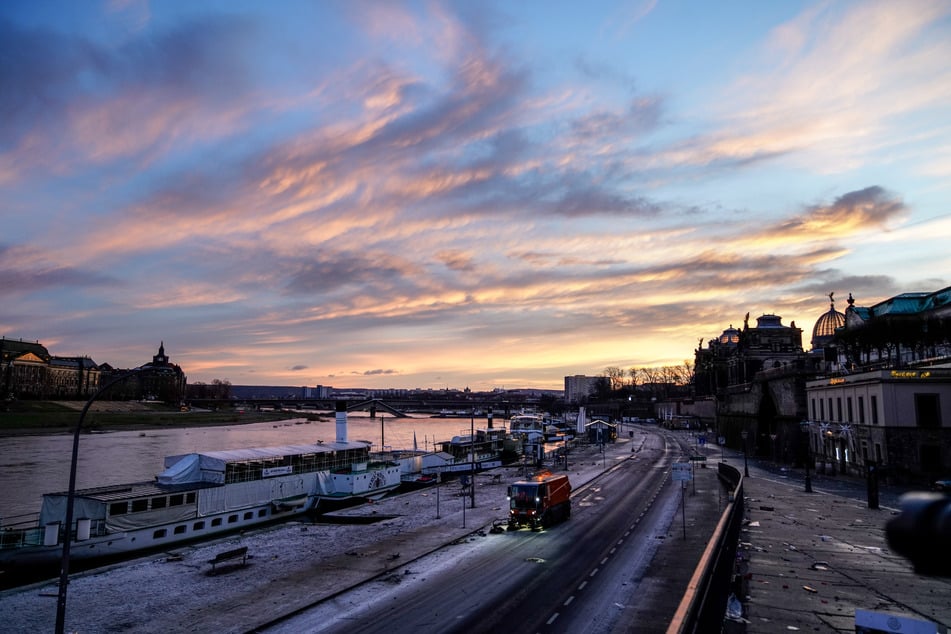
(375, 404)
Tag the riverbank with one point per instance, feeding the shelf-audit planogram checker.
(59, 417)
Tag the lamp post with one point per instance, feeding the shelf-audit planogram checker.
(70, 502)
(804, 425)
(472, 457)
(746, 468)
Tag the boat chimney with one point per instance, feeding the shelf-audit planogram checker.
(341, 421)
(490, 417)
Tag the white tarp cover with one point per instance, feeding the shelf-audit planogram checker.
(54, 509)
(209, 466)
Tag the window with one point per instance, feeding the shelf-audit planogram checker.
(180, 530)
(176, 500)
(814, 417)
(873, 403)
(926, 411)
(216, 521)
(118, 508)
(232, 519)
(159, 503)
(838, 409)
(862, 409)
(848, 408)
(822, 409)
(190, 498)
(248, 515)
(262, 512)
(159, 534)
(830, 408)
(198, 526)
(140, 505)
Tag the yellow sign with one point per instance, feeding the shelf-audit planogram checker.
(910, 374)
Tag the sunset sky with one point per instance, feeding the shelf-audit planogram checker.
(463, 194)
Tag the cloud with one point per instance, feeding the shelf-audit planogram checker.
(81, 101)
(869, 209)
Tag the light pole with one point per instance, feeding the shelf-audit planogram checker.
(746, 468)
(70, 503)
(804, 425)
(472, 456)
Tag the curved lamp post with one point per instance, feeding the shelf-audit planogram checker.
(804, 425)
(70, 501)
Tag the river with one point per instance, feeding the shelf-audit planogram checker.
(33, 465)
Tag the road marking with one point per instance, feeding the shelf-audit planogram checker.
(583, 584)
(593, 572)
(604, 561)
(570, 599)
(612, 550)
(552, 619)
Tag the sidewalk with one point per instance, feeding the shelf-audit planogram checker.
(810, 560)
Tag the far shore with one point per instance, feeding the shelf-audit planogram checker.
(61, 417)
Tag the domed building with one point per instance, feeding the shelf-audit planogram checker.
(824, 330)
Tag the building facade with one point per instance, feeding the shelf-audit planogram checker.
(28, 370)
(886, 397)
(579, 387)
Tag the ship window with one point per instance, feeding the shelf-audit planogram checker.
(198, 526)
(159, 503)
(176, 500)
(118, 508)
(140, 505)
(232, 519)
(249, 515)
(216, 521)
(179, 530)
(262, 512)
(189, 498)
(159, 534)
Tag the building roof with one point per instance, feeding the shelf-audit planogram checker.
(824, 329)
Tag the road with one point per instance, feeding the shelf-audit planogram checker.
(571, 577)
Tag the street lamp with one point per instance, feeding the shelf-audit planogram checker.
(804, 425)
(70, 502)
(746, 468)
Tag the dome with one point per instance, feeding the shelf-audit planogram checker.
(730, 336)
(826, 325)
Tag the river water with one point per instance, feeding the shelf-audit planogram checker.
(33, 465)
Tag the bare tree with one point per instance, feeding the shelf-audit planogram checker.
(615, 377)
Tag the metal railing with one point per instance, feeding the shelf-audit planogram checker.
(703, 606)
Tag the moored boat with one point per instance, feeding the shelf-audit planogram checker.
(197, 496)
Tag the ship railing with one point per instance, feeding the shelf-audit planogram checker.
(30, 533)
(11, 538)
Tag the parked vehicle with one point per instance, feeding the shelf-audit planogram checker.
(540, 502)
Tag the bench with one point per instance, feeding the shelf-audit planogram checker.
(228, 555)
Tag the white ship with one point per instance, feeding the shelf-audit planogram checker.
(200, 495)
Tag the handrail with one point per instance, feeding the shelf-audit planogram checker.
(701, 609)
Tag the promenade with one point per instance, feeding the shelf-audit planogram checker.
(810, 560)
(807, 561)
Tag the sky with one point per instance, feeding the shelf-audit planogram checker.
(460, 194)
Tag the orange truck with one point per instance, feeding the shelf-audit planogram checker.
(540, 502)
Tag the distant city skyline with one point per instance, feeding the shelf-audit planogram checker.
(452, 194)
